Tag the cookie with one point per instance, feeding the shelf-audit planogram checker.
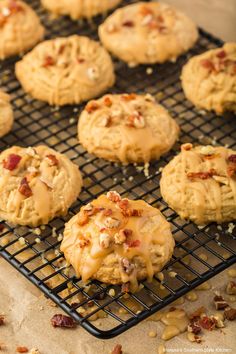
(200, 184)
(127, 128)
(117, 240)
(77, 9)
(6, 114)
(66, 70)
(20, 28)
(147, 33)
(36, 185)
(209, 79)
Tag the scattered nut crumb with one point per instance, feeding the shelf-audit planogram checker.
(22, 350)
(117, 349)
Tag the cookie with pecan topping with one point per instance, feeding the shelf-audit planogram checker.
(36, 185)
(200, 184)
(79, 8)
(20, 28)
(66, 70)
(127, 128)
(6, 114)
(209, 79)
(134, 242)
(148, 33)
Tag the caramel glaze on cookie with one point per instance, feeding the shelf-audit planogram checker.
(127, 128)
(200, 184)
(66, 70)
(148, 32)
(36, 185)
(117, 240)
(209, 79)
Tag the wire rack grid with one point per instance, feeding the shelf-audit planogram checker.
(200, 253)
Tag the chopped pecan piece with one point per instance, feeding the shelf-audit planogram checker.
(83, 242)
(194, 327)
(230, 314)
(60, 320)
(231, 169)
(128, 24)
(123, 204)
(231, 288)
(112, 223)
(128, 96)
(122, 236)
(113, 196)
(135, 120)
(11, 162)
(220, 303)
(221, 54)
(2, 320)
(107, 101)
(48, 61)
(197, 314)
(91, 106)
(117, 349)
(202, 175)
(207, 64)
(107, 212)
(53, 161)
(105, 240)
(22, 350)
(232, 158)
(125, 287)
(25, 188)
(127, 266)
(83, 219)
(133, 243)
(132, 212)
(80, 60)
(208, 323)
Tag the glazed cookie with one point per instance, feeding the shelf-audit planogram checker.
(209, 79)
(20, 28)
(66, 70)
(200, 184)
(117, 240)
(145, 33)
(127, 128)
(6, 114)
(77, 9)
(36, 185)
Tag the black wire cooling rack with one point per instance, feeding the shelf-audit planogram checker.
(200, 253)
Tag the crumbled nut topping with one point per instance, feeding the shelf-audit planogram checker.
(128, 96)
(107, 101)
(135, 120)
(127, 266)
(208, 323)
(128, 23)
(194, 327)
(6, 12)
(231, 288)
(117, 349)
(11, 162)
(22, 350)
(202, 175)
(104, 240)
(25, 188)
(113, 196)
(112, 223)
(219, 64)
(230, 314)
(83, 219)
(220, 303)
(122, 236)
(60, 320)
(92, 106)
(186, 147)
(48, 61)
(52, 160)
